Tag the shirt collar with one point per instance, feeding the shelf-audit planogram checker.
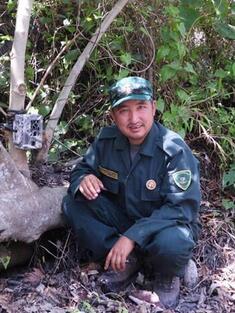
(121, 141)
(148, 146)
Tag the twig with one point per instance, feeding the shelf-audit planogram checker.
(213, 141)
(49, 252)
(62, 144)
(3, 112)
(62, 252)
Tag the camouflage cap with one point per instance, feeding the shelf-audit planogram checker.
(130, 88)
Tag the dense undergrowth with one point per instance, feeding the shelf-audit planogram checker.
(185, 48)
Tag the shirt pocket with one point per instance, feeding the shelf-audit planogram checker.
(150, 195)
(110, 184)
(150, 199)
(109, 178)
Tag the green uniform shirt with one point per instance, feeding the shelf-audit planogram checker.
(159, 189)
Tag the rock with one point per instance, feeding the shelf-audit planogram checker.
(191, 274)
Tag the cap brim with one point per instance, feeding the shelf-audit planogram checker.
(132, 97)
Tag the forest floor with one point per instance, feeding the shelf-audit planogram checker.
(54, 282)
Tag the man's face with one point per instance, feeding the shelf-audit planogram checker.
(134, 118)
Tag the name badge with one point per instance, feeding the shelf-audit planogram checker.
(108, 173)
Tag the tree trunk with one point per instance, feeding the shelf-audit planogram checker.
(17, 86)
(26, 211)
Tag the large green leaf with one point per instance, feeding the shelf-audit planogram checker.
(225, 30)
(126, 58)
(229, 177)
(72, 55)
(189, 68)
(189, 15)
(3, 81)
(221, 73)
(181, 49)
(193, 3)
(221, 7)
(11, 4)
(167, 73)
(160, 104)
(122, 73)
(228, 204)
(162, 52)
(5, 260)
(44, 110)
(233, 69)
(183, 96)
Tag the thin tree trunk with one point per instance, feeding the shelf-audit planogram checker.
(17, 86)
(71, 80)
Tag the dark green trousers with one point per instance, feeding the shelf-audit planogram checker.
(99, 223)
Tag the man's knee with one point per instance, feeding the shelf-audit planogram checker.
(174, 241)
(170, 250)
(92, 233)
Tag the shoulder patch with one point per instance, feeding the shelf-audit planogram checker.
(182, 179)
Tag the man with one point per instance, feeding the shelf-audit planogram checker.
(133, 199)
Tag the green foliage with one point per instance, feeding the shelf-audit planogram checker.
(229, 177)
(86, 307)
(178, 117)
(199, 84)
(122, 310)
(185, 47)
(85, 123)
(228, 204)
(5, 260)
(228, 184)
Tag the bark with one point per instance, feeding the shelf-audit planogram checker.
(17, 86)
(71, 80)
(26, 211)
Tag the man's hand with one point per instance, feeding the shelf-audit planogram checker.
(91, 186)
(118, 254)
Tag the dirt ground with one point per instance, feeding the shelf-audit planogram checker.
(54, 282)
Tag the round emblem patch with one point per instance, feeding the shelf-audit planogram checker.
(151, 184)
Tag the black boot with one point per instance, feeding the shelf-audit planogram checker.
(111, 281)
(168, 289)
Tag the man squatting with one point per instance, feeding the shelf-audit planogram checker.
(133, 200)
